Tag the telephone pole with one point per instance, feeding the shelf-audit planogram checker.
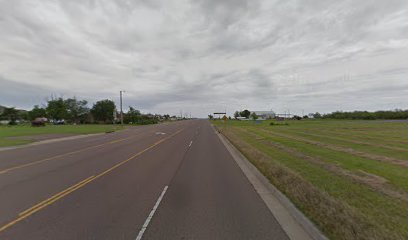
(121, 110)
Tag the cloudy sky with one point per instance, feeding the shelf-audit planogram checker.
(201, 56)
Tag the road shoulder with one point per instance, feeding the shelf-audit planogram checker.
(294, 223)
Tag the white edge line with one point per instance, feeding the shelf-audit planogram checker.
(149, 218)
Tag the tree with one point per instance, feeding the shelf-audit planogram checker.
(36, 112)
(10, 114)
(147, 119)
(236, 114)
(317, 115)
(23, 115)
(254, 116)
(132, 116)
(77, 111)
(103, 111)
(210, 116)
(246, 113)
(56, 109)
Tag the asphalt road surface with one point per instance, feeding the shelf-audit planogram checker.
(166, 181)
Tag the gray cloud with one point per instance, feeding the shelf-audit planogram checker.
(21, 94)
(204, 56)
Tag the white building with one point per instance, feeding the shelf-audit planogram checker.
(242, 118)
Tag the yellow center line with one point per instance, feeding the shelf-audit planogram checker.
(2, 171)
(54, 196)
(25, 214)
(43, 204)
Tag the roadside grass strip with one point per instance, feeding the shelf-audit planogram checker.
(395, 175)
(378, 148)
(308, 188)
(6, 132)
(384, 132)
(348, 194)
(361, 138)
(351, 169)
(338, 148)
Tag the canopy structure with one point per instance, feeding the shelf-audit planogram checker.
(220, 114)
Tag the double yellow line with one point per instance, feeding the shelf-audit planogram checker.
(2, 171)
(25, 214)
(45, 203)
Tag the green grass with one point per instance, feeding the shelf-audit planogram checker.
(339, 173)
(25, 130)
(394, 174)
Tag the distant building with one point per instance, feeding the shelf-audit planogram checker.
(284, 115)
(263, 115)
(242, 118)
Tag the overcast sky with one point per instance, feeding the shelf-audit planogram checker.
(201, 56)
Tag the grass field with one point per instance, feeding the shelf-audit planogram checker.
(349, 177)
(15, 135)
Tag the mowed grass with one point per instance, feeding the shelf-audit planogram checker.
(349, 177)
(7, 133)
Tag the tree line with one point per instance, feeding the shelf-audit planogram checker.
(365, 115)
(246, 114)
(396, 114)
(74, 111)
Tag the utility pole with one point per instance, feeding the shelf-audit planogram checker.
(121, 110)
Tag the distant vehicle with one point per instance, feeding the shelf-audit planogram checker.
(59, 122)
(39, 122)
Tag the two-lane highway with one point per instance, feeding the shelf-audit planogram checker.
(167, 181)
